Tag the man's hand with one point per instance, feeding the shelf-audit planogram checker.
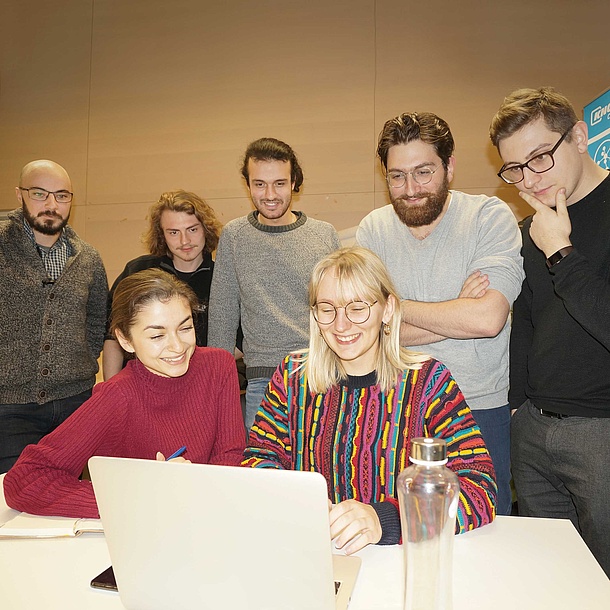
(353, 525)
(550, 229)
(475, 286)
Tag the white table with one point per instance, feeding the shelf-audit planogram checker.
(514, 563)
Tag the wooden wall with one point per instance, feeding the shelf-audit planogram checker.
(136, 97)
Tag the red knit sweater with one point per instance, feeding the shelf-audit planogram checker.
(134, 414)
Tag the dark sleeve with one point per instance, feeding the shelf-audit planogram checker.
(122, 276)
(585, 294)
(389, 519)
(521, 336)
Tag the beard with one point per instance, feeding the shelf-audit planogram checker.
(47, 223)
(426, 213)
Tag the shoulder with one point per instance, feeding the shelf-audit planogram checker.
(205, 357)
(482, 205)
(431, 371)
(235, 225)
(81, 245)
(147, 261)
(379, 215)
(318, 225)
(380, 220)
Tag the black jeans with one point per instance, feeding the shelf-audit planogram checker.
(26, 424)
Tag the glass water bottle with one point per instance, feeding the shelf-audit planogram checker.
(428, 494)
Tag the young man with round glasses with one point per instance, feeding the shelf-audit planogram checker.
(455, 260)
(560, 342)
(53, 292)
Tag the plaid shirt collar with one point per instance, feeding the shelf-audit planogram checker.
(55, 257)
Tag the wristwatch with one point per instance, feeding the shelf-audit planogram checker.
(558, 256)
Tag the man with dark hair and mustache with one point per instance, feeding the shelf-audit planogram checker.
(455, 259)
(53, 292)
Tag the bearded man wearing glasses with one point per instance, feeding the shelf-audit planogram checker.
(455, 261)
(53, 292)
(560, 342)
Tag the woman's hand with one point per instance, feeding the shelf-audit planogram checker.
(353, 525)
(161, 458)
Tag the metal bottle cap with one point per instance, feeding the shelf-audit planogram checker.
(428, 449)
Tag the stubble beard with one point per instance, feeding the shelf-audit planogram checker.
(424, 214)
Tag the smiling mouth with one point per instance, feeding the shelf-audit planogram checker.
(347, 339)
(175, 360)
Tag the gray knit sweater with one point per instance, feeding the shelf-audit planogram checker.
(51, 333)
(261, 276)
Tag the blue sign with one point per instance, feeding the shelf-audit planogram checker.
(597, 117)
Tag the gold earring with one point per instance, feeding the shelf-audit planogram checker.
(386, 329)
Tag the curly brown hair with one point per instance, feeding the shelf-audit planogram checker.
(424, 126)
(181, 201)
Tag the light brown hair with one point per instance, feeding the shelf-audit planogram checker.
(181, 201)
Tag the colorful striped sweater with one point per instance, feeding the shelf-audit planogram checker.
(358, 437)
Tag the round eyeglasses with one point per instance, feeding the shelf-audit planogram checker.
(38, 194)
(542, 162)
(357, 312)
(422, 175)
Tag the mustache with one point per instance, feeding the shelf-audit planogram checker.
(414, 196)
(49, 213)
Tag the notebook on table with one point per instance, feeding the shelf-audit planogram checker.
(207, 537)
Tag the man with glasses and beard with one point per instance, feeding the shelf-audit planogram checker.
(53, 292)
(560, 342)
(455, 261)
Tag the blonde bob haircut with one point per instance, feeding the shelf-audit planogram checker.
(361, 276)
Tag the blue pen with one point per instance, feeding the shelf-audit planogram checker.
(176, 453)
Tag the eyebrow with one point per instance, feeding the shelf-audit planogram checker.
(540, 148)
(424, 164)
(161, 327)
(197, 224)
(41, 188)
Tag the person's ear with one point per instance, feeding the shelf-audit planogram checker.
(580, 135)
(124, 342)
(388, 310)
(450, 168)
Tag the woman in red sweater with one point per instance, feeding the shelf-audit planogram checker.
(172, 394)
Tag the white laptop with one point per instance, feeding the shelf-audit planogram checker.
(194, 536)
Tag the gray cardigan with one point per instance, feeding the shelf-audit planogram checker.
(51, 334)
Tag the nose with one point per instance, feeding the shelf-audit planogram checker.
(411, 186)
(342, 322)
(174, 343)
(50, 202)
(183, 238)
(530, 178)
(270, 191)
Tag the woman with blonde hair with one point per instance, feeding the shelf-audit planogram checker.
(348, 406)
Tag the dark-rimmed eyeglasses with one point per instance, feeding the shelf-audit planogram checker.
(38, 194)
(422, 175)
(357, 312)
(543, 162)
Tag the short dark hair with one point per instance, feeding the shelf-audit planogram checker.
(526, 105)
(423, 126)
(270, 149)
(138, 290)
(181, 201)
